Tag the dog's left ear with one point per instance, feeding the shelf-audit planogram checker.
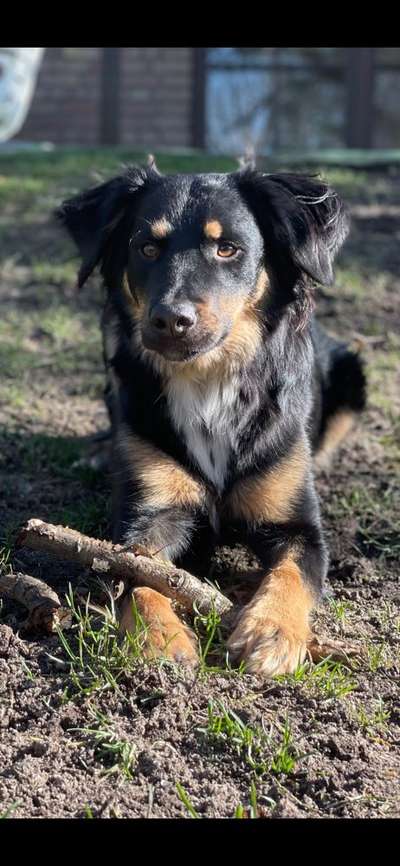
(303, 221)
(91, 216)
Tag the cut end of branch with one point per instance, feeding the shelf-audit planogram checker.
(45, 619)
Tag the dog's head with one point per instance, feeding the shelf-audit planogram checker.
(202, 253)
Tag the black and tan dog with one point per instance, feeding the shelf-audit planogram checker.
(220, 385)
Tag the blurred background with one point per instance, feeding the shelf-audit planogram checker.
(218, 99)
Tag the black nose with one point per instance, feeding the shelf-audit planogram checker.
(173, 320)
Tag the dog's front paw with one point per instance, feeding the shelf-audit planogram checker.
(149, 615)
(267, 647)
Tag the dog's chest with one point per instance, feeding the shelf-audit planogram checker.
(204, 414)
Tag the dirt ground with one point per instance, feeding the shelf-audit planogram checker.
(154, 740)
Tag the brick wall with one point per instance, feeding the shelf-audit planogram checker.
(65, 106)
(156, 86)
(156, 97)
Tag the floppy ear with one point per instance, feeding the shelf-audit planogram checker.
(303, 221)
(92, 216)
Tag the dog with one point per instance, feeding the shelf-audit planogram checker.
(221, 386)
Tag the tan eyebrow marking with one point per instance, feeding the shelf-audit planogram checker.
(213, 229)
(161, 228)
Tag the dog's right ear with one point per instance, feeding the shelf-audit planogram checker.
(92, 216)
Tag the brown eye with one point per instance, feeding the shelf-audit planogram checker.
(226, 251)
(151, 251)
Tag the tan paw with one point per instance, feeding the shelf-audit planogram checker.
(266, 647)
(165, 635)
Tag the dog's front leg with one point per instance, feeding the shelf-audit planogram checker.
(156, 504)
(165, 532)
(149, 616)
(273, 628)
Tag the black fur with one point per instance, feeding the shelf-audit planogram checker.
(289, 225)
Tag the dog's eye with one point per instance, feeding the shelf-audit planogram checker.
(226, 250)
(150, 251)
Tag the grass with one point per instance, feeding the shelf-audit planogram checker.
(84, 503)
(121, 754)
(374, 720)
(208, 629)
(389, 616)
(340, 609)
(22, 173)
(30, 675)
(88, 516)
(96, 657)
(211, 636)
(349, 282)
(285, 757)
(377, 514)
(9, 811)
(253, 810)
(224, 725)
(263, 752)
(37, 182)
(48, 455)
(185, 799)
(5, 557)
(331, 679)
(377, 656)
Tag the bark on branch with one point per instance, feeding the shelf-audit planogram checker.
(118, 563)
(45, 611)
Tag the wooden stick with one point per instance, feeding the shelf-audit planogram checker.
(45, 611)
(141, 569)
(321, 648)
(115, 561)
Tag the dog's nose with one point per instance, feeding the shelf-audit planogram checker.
(173, 320)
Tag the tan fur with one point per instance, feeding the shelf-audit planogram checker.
(213, 229)
(134, 303)
(261, 286)
(270, 496)
(272, 631)
(161, 228)
(242, 344)
(207, 317)
(164, 634)
(337, 429)
(163, 481)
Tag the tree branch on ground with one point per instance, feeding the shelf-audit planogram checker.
(137, 567)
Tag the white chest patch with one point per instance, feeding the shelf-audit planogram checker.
(202, 414)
